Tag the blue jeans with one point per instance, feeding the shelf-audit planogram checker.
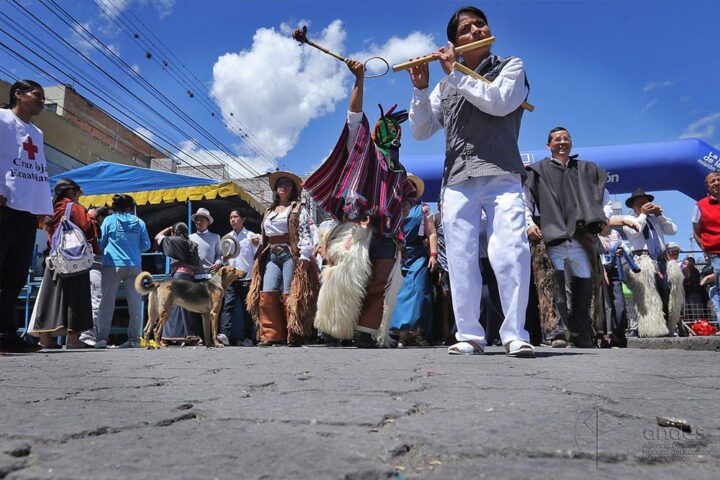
(714, 260)
(279, 271)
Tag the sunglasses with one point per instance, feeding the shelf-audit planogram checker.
(284, 183)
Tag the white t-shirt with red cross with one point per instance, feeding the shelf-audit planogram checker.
(24, 178)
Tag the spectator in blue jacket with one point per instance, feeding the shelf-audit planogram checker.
(124, 237)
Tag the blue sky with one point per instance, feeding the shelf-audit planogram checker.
(612, 72)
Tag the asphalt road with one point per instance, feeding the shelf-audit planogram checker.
(318, 412)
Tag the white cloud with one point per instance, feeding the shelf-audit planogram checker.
(135, 68)
(650, 104)
(276, 87)
(192, 154)
(163, 7)
(114, 8)
(397, 50)
(703, 128)
(145, 134)
(650, 86)
(82, 39)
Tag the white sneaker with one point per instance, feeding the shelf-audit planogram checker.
(223, 339)
(100, 344)
(87, 339)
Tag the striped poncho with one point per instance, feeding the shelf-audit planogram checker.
(352, 185)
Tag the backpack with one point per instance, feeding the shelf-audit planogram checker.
(70, 253)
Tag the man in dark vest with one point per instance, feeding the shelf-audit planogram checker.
(483, 173)
(566, 207)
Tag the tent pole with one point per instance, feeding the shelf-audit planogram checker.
(190, 224)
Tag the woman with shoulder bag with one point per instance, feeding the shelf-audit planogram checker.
(63, 303)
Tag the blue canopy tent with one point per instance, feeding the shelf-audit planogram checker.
(678, 165)
(160, 196)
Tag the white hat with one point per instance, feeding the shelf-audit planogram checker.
(202, 212)
(672, 246)
(229, 246)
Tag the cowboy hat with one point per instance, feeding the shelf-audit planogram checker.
(229, 246)
(637, 193)
(419, 184)
(670, 246)
(275, 176)
(202, 212)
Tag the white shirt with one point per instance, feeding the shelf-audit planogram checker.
(276, 224)
(246, 259)
(661, 224)
(697, 216)
(208, 250)
(500, 97)
(23, 170)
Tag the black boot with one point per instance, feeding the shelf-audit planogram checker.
(364, 340)
(580, 324)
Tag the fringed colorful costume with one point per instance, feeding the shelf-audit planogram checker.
(363, 185)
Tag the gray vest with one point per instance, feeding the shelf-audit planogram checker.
(478, 144)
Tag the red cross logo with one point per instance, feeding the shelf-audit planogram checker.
(30, 148)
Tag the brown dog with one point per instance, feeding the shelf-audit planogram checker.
(202, 297)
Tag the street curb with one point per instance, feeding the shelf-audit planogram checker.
(711, 343)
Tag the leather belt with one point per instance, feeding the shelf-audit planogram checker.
(279, 239)
(640, 252)
(278, 249)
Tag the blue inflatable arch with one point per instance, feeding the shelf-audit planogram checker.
(679, 165)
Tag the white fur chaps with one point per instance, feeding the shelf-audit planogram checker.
(344, 279)
(677, 294)
(648, 304)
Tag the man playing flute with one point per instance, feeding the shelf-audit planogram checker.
(483, 172)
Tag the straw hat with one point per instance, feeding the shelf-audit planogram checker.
(275, 176)
(419, 184)
(202, 212)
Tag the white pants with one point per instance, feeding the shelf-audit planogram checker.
(500, 196)
(572, 254)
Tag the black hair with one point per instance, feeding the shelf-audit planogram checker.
(180, 230)
(557, 129)
(21, 86)
(240, 212)
(63, 187)
(122, 203)
(103, 211)
(293, 196)
(455, 19)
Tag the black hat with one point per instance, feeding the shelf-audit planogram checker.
(638, 192)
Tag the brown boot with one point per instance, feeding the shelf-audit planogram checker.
(372, 309)
(293, 339)
(273, 327)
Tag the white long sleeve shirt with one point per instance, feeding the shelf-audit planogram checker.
(661, 224)
(499, 98)
(246, 259)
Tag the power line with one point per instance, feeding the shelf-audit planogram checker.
(132, 29)
(118, 61)
(91, 62)
(55, 79)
